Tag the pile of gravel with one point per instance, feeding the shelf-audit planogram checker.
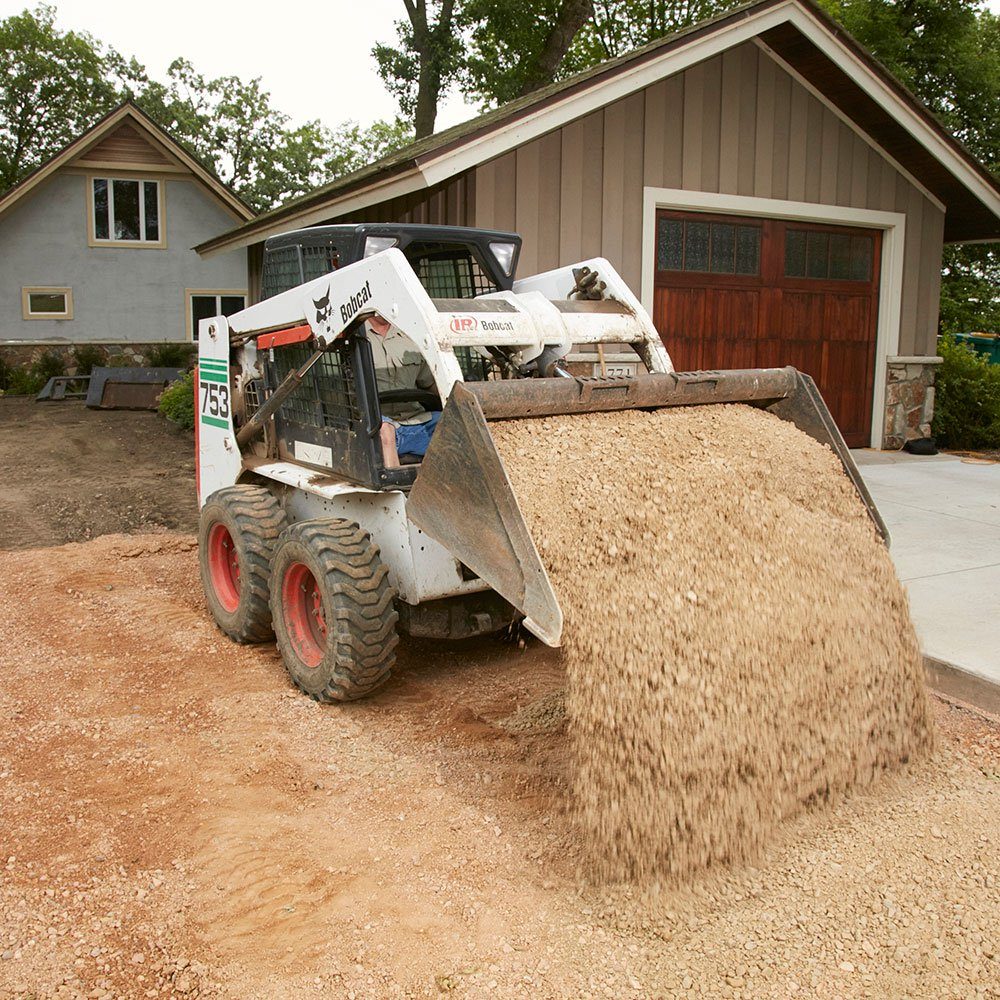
(737, 644)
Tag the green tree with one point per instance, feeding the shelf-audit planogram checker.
(53, 86)
(619, 26)
(425, 60)
(517, 46)
(231, 125)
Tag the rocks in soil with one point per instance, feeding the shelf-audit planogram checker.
(737, 644)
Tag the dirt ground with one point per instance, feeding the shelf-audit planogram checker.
(177, 821)
(69, 473)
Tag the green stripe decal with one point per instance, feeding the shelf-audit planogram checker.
(213, 377)
(215, 422)
(218, 366)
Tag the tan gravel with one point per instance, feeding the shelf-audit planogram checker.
(737, 643)
(176, 821)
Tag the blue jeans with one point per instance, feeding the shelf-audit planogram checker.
(413, 439)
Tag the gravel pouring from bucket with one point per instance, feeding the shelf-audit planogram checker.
(462, 497)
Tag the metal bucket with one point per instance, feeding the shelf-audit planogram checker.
(462, 497)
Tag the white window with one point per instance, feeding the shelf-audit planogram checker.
(44, 302)
(205, 305)
(125, 210)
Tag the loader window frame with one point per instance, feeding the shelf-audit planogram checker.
(449, 270)
(334, 410)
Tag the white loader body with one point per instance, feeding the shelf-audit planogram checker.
(538, 315)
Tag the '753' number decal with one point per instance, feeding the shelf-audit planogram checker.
(214, 401)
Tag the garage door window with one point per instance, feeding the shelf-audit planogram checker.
(707, 247)
(827, 256)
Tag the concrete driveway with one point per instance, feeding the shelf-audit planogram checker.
(944, 516)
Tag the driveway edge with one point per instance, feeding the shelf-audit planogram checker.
(954, 682)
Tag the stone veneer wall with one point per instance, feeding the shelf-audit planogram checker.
(909, 399)
(122, 355)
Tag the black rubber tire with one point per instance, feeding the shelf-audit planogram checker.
(357, 651)
(254, 520)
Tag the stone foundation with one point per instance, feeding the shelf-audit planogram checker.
(909, 399)
(24, 355)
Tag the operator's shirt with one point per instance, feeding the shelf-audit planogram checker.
(399, 365)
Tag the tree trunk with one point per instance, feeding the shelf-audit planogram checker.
(428, 91)
(572, 16)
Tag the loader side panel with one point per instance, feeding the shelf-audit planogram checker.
(217, 458)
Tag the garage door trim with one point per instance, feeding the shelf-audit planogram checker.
(892, 225)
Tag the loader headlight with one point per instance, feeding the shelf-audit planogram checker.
(376, 244)
(504, 253)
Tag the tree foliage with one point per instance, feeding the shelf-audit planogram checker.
(517, 46)
(58, 84)
(53, 85)
(424, 61)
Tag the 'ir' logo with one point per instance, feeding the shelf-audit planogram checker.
(463, 324)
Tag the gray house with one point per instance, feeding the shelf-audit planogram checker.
(768, 190)
(96, 244)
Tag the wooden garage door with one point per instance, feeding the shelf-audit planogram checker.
(760, 293)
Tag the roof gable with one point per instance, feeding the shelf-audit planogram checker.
(127, 138)
(802, 37)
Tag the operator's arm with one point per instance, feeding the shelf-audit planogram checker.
(425, 380)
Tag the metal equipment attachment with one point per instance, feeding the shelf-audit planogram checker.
(462, 497)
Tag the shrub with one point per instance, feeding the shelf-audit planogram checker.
(966, 398)
(48, 366)
(87, 358)
(24, 382)
(169, 355)
(5, 372)
(177, 402)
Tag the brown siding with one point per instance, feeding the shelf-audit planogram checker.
(734, 124)
(125, 145)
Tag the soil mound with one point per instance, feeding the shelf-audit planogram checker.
(737, 644)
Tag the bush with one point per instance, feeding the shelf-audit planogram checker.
(49, 365)
(177, 402)
(24, 382)
(87, 358)
(5, 373)
(169, 355)
(966, 398)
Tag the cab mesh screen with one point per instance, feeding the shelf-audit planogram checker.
(448, 271)
(326, 397)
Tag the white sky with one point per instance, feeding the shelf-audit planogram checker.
(313, 55)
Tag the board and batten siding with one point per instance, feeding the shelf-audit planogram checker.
(735, 124)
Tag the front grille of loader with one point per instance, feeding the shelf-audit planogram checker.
(449, 272)
(326, 397)
(475, 368)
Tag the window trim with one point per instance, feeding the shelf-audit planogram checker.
(113, 175)
(28, 290)
(189, 293)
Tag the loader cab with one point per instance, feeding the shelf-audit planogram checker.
(451, 262)
(332, 421)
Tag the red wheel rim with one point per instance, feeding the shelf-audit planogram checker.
(302, 606)
(224, 567)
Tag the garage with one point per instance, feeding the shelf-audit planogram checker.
(768, 192)
(739, 292)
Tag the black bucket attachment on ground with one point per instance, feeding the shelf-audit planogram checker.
(129, 388)
(462, 473)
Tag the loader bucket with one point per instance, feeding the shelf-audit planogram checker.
(463, 499)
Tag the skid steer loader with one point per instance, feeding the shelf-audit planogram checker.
(309, 534)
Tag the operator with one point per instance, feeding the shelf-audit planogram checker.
(406, 427)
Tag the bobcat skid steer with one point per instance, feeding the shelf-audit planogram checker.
(308, 535)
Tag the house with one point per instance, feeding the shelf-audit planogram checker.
(769, 191)
(96, 244)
